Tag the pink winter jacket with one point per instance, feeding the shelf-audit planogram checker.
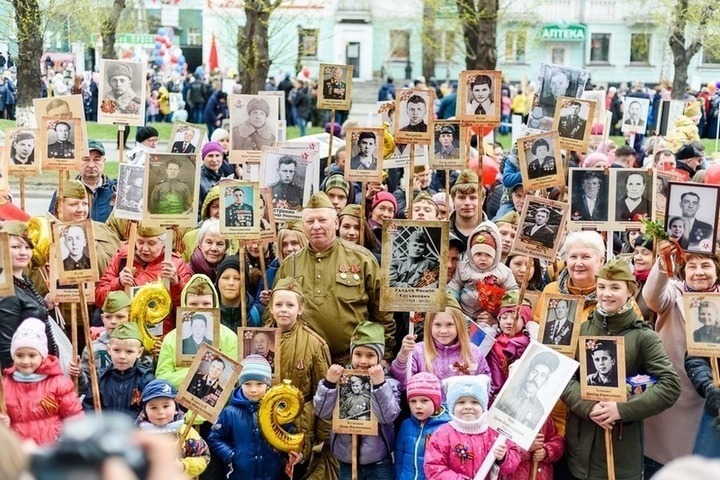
(37, 409)
(554, 447)
(446, 364)
(453, 455)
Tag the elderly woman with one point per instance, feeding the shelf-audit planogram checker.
(291, 238)
(26, 302)
(615, 315)
(148, 265)
(672, 433)
(210, 250)
(222, 136)
(643, 259)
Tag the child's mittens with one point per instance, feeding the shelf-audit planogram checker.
(5, 420)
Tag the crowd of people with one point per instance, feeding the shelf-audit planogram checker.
(320, 283)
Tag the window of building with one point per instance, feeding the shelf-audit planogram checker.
(710, 56)
(515, 42)
(194, 36)
(399, 44)
(308, 42)
(640, 48)
(600, 48)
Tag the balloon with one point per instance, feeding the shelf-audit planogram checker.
(490, 169)
(712, 175)
(157, 43)
(158, 39)
(168, 43)
(158, 61)
(161, 31)
(162, 52)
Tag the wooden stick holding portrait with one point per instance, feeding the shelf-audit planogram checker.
(94, 380)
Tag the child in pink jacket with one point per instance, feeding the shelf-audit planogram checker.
(457, 449)
(511, 341)
(37, 393)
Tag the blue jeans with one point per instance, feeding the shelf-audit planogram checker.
(707, 442)
(302, 125)
(505, 129)
(375, 471)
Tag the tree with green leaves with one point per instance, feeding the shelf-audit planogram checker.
(691, 23)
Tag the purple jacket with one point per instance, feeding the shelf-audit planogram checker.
(385, 406)
(444, 364)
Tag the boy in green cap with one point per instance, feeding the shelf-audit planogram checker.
(116, 310)
(122, 383)
(367, 347)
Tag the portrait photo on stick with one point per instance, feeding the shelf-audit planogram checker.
(702, 325)
(691, 216)
(602, 368)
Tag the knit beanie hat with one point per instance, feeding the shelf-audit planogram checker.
(255, 367)
(475, 386)
(383, 197)
(143, 133)
(370, 335)
(337, 180)
(230, 261)
(211, 147)
(596, 159)
(30, 333)
(425, 384)
(484, 242)
(218, 134)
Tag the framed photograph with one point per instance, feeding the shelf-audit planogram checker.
(364, 148)
(172, 184)
(268, 232)
(7, 285)
(196, 327)
(209, 383)
(264, 342)
(555, 81)
(542, 224)
(635, 114)
(253, 125)
(335, 89)
(541, 163)
(693, 227)
(20, 154)
(58, 139)
(280, 95)
(479, 99)
(573, 121)
(560, 319)
(413, 272)
(122, 92)
(288, 174)
(702, 314)
(598, 98)
(353, 412)
(66, 293)
(589, 194)
(186, 138)
(446, 151)
(130, 192)
(400, 158)
(65, 107)
(662, 185)
(535, 384)
(602, 368)
(238, 203)
(413, 116)
(77, 259)
(632, 189)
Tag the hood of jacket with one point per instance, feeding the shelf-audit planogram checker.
(213, 194)
(198, 277)
(238, 400)
(487, 228)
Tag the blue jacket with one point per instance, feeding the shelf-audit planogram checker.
(237, 441)
(101, 200)
(270, 272)
(410, 445)
(121, 391)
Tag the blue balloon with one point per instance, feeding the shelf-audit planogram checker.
(158, 45)
(158, 61)
(161, 31)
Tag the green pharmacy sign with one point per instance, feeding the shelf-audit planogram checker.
(557, 32)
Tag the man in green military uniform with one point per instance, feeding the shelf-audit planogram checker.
(239, 214)
(171, 196)
(340, 281)
(287, 194)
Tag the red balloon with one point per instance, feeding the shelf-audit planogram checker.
(490, 169)
(481, 130)
(712, 176)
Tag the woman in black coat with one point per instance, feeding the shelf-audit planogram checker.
(27, 302)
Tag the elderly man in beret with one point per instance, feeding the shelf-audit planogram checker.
(340, 281)
(149, 265)
(521, 401)
(255, 132)
(119, 77)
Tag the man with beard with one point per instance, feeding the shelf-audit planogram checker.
(521, 400)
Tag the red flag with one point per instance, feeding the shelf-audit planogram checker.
(213, 60)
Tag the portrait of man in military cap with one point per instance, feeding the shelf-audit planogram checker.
(254, 120)
(446, 141)
(418, 266)
(121, 92)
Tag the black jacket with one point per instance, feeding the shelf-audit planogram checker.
(700, 374)
(26, 303)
